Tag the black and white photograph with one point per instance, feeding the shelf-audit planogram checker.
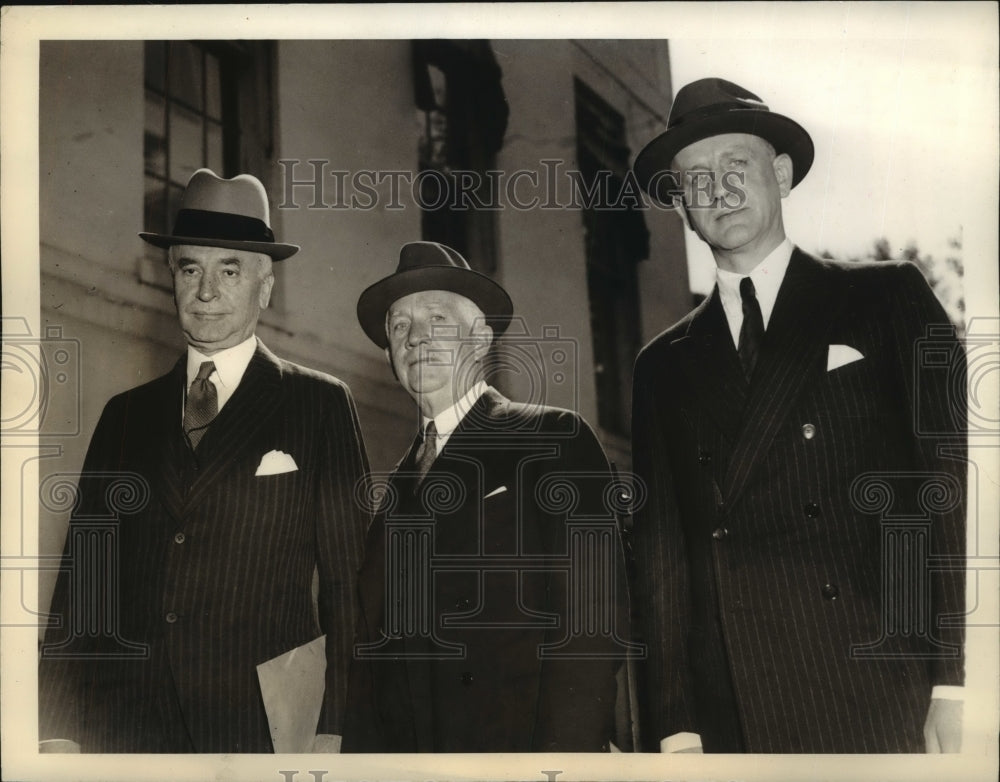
(507, 391)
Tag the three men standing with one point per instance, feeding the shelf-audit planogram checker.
(780, 612)
(779, 428)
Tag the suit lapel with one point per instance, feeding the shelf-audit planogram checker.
(418, 669)
(793, 352)
(464, 458)
(712, 367)
(234, 431)
(169, 449)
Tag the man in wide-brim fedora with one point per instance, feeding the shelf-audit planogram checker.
(781, 610)
(243, 468)
(466, 638)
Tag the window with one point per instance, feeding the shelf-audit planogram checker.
(462, 112)
(616, 239)
(207, 104)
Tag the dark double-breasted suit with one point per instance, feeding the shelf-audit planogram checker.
(800, 553)
(208, 569)
(505, 631)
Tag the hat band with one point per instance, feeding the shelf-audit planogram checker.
(714, 109)
(205, 224)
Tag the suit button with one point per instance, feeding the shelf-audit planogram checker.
(467, 678)
(704, 458)
(463, 604)
(811, 510)
(830, 591)
(179, 537)
(171, 618)
(720, 533)
(808, 431)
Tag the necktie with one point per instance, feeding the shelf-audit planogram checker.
(427, 451)
(752, 330)
(201, 406)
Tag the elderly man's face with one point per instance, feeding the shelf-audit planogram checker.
(713, 169)
(219, 294)
(435, 339)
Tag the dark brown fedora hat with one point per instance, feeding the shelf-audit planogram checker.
(710, 107)
(231, 213)
(429, 266)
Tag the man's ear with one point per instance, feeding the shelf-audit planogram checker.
(783, 173)
(483, 337)
(264, 294)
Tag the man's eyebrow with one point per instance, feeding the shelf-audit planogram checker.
(735, 149)
(187, 260)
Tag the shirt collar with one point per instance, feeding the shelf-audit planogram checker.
(230, 364)
(447, 421)
(766, 275)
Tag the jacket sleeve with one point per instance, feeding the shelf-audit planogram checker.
(68, 650)
(661, 595)
(341, 525)
(577, 689)
(932, 363)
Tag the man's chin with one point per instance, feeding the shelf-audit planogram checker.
(208, 343)
(426, 381)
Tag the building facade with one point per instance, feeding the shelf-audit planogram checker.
(515, 152)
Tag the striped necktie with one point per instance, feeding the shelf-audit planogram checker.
(427, 452)
(201, 406)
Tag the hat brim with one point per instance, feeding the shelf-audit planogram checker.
(276, 250)
(784, 134)
(486, 294)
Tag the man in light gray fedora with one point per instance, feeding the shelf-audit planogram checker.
(250, 463)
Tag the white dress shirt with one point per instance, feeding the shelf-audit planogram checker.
(766, 275)
(230, 366)
(448, 420)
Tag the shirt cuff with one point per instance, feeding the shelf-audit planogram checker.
(679, 742)
(948, 692)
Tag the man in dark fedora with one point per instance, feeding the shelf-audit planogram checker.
(800, 555)
(482, 628)
(244, 468)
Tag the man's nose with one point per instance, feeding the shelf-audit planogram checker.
(208, 287)
(719, 188)
(419, 332)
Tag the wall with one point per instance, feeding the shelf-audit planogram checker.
(349, 103)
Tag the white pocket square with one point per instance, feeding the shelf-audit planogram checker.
(841, 355)
(275, 463)
(495, 492)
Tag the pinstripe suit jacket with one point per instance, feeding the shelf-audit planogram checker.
(211, 569)
(507, 486)
(763, 528)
